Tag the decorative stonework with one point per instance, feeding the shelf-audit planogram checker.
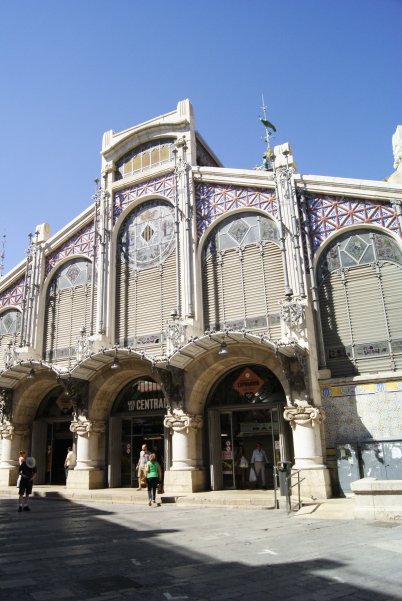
(79, 244)
(13, 295)
(162, 186)
(82, 426)
(303, 414)
(214, 200)
(293, 313)
(179, 421)
(328, 214)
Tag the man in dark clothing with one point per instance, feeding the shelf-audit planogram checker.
(27, 472)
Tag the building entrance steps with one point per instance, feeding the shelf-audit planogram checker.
(325, 509)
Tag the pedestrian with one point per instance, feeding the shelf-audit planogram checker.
(27, 471)
(22, 457)
(70, 461)
(154, 474)
(141, 466)
(242, 466)
(259, 462)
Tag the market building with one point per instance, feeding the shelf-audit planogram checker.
(200, 309)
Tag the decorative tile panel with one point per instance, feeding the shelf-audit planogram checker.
(81, 243)
(360, 412)
(163, 186)
(328, 214)
(214, 200)
(13, 295)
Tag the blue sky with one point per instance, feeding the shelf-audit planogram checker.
(330, 71)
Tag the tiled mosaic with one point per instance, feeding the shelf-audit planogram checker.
(163, 186)
(328, 214)
(214, 200)
(361, 412)
(13, 295)
(81, 243)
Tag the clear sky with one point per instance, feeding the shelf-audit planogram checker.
(330, 72)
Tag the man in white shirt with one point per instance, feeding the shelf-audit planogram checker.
(70, 461)
(259, 461)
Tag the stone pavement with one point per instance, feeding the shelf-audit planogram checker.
(101, 551)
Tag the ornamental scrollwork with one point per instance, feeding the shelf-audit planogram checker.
(293, 312)
(178, 421)
(303, 414)
(82, 426)
(172, 384)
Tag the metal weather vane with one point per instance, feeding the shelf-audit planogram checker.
(269, 130)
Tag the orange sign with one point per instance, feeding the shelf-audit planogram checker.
(248, 382)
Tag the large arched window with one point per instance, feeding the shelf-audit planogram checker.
(243, 275)
(145, 275)
(360, 285)
(68, 311)
(10, 332)
(145, 157)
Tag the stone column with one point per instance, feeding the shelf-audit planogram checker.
(13, 436)
(87, 474)
(184, 475)
(305, 421)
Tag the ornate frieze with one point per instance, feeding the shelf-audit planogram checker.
(292, 312)
(327, 214)
(81, 243)
(179, 421)
(214, 200)
(303, 414)
(13, 295)
(163, 186)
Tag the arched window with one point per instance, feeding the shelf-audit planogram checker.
(145, 275)
(68, 310)
(243, 275)
(145, 157)
(360, 286)
(10, 332)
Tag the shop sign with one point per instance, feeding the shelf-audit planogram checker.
(139, 405)
(248, 382)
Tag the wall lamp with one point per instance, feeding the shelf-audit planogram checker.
(224, 349)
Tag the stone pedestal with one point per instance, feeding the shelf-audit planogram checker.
(181, 481)
(87, 474)
(378, 499)
(86, 479)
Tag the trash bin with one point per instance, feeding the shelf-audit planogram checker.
(284, 473)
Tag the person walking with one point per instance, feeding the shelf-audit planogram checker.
(27, 471)
(141, 465)
(259, 462)
(154, 474)
(22, 457)
(71, 460)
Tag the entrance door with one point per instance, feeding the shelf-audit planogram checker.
(243, 429)
(59, 438)
(134, 434)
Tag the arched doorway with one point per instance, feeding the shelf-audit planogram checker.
(245, 408)
(137, 418)
(51, 435)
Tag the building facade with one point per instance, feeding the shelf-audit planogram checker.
(201, 309)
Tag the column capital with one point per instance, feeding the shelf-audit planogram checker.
(82, 426)
(178, 421)
(9, 430)
(303, 414)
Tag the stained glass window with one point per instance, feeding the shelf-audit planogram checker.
(147, 235)
(10, 322)
(145, 157)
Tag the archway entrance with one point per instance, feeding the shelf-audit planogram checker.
(51, 436)
(137, 419)
(246, 409)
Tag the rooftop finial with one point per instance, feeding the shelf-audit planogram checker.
(2, 253)
(269, 130)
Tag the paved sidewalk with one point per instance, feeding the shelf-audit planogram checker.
(100, 551)
(246, 499)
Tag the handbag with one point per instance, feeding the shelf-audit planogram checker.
(253, 475)
(243, 462)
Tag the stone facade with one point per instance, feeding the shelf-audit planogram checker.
(202, 309)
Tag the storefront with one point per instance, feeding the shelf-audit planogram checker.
(244, 409)
(137, 419)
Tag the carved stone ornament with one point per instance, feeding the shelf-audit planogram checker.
(5, 405)
(82, 426)
(293, 313)
(6, 429)
(303, 414)
(172, 384)
(179, 421)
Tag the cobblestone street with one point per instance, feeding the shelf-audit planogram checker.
(99, 551)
